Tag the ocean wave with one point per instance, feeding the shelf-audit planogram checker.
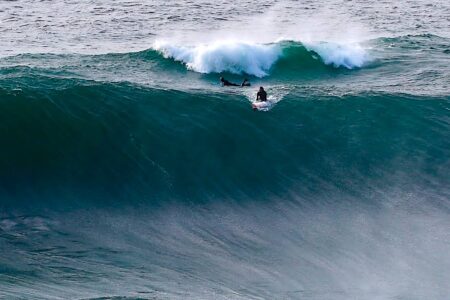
(93, 139)
(259, 59)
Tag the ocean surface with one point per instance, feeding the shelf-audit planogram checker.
(128, 172)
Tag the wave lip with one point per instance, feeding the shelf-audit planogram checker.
(259, 59)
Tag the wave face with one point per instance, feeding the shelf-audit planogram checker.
(154, 136)
(258, 59)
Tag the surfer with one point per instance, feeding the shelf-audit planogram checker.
(225, 82)
(261, 95)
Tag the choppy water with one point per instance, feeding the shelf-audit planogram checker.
(126, 171)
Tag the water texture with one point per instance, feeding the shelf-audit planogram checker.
(128, 172)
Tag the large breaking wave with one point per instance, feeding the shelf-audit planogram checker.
(258, 59)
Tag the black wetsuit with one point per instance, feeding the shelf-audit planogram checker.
(261, 96)
(227, 83)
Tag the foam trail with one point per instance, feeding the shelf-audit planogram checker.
(276, 94)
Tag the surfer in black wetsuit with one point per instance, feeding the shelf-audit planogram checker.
(225, 82)
(261, 95)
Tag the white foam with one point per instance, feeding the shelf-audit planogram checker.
(224, 56)
(340, 55)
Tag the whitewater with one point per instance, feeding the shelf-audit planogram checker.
(256, 59)
(128, 172)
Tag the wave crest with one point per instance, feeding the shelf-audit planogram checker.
(259, 59)
(233, 57)
(340, 55)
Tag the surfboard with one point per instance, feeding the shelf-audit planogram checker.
(262, 105)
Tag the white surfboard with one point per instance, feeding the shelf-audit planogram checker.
(262, 105)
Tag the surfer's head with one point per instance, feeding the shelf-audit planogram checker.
(261, 88)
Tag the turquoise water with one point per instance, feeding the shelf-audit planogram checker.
(127, 172)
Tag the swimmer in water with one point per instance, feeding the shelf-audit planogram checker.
(225, 82)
